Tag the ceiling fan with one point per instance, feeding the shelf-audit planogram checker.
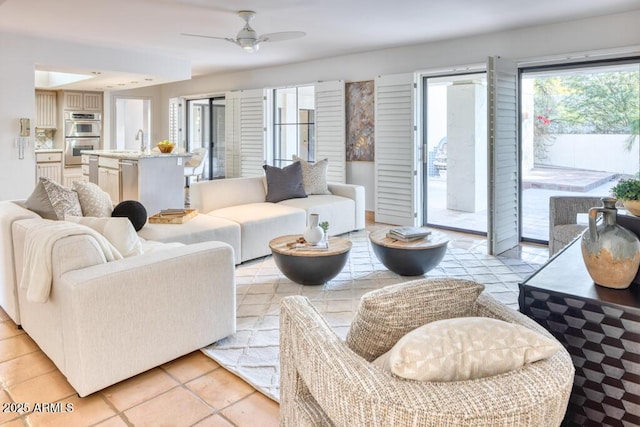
(248, 39)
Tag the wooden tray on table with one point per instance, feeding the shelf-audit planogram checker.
(173, 216)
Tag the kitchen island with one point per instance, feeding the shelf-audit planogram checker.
(154, 179)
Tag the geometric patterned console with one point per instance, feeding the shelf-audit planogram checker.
(600, 328)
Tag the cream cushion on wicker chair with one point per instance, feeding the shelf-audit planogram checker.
(386, 315)
(465, 348)
(324, 382)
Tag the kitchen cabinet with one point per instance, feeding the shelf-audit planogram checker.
(46, 110)
(82, 101)
(71, 175)
(92, 101)
(109, 177)
(73, 101)
(49, 165)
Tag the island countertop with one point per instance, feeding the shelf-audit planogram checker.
(132, 155)
(48, 150)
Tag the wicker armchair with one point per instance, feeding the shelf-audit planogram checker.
(326, 381)
(563, 211)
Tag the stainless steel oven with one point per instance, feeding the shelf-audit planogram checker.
(82, 131)
(80, 124)
(74, 146)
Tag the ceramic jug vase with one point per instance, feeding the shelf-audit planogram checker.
(314, 234)
(611, 252)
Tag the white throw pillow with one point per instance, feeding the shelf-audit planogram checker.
(465, 348)
(118, 231)
(314, 176)
(94, 201)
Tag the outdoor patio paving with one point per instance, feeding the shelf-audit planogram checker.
(538, 185)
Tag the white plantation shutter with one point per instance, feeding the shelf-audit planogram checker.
(175, 121)
(502, 86)
(395, 157)
(252, 150)
(330, 128)
(232, 134)
(244, 123)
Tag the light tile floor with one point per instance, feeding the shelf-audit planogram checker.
(190, 391)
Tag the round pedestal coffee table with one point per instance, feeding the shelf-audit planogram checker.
(310, 266)
(409, 258)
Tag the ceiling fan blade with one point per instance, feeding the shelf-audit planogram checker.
(210, 37)
(281, 36)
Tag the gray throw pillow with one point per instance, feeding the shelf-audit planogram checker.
(285, 183)
(39, 202)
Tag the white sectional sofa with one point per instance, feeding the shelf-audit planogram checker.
(104, 321)
(242, 201)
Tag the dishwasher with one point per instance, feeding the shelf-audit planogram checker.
(129, 180)
(93, 169)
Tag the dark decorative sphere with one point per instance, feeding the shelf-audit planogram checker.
(133, 210)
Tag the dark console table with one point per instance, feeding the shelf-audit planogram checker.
(600, 328)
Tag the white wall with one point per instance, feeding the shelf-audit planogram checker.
(19, 56)
(586, 35)
(593, 152)
(17, 100)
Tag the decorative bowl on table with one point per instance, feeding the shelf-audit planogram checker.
(165, 146)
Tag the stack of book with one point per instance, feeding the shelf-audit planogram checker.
(408, 234)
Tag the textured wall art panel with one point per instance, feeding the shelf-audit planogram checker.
(360, 121)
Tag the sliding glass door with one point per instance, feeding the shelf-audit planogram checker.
(205, 129)
(455, 135)
(579, 134)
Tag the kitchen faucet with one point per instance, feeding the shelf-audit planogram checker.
(140, 137)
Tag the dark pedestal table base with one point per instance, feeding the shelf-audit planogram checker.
(308, 270)
(413, 258)
(310, 266)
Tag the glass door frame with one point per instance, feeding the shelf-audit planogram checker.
(425, 149)
(551, 67)
(211, 143)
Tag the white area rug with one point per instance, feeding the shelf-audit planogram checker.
(252, 353)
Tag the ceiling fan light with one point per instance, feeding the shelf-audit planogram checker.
(248, 44)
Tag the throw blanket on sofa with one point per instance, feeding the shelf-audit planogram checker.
(37, 274)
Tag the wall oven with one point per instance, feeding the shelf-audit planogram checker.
(82, 124)
(82, 131)
(74, 146)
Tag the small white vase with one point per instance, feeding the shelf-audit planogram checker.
(314, 234)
